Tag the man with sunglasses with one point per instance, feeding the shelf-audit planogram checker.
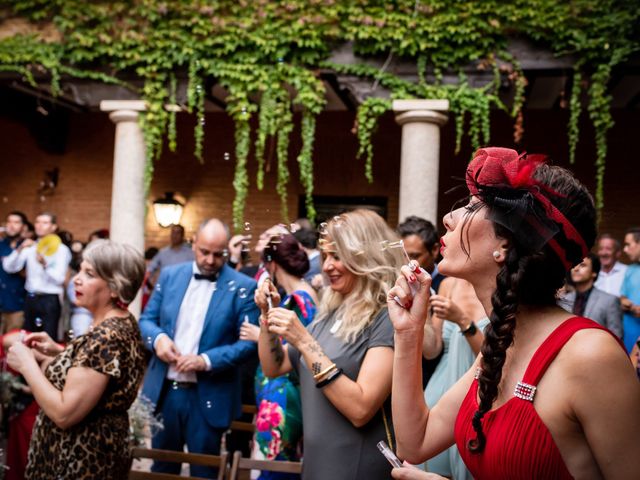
(191, 325)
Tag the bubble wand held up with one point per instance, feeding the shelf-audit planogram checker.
(386, 244)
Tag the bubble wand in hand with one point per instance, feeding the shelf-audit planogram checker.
(413, 286)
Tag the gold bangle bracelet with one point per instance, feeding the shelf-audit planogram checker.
(318, 376)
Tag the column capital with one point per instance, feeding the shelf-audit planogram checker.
(428, 111)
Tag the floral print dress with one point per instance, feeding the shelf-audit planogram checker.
(279, 419)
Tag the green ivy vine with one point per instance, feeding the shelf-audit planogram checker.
(267, 54)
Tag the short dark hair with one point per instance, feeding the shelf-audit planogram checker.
(595, 264)
(18, 213)
(635, 231)
(150, 252)
(52, 216)
(286, 252)
(308, 238)
(422, 228)
(103, 234)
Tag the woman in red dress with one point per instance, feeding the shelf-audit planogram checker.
(550, 395)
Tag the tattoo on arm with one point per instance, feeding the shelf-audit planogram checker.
(314, 347)
(316, 368)
(277, 350)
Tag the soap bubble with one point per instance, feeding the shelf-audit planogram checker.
(227, 156)
(232, 285)
(243, 293)
(38, 322)
(322, 229)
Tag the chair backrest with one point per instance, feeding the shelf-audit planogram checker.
(219, 461)
(244, 426)
(240, 463)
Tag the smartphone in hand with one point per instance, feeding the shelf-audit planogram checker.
(389, 455)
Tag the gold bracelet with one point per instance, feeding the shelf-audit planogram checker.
(318, 376)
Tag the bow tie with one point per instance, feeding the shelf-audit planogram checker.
(212, 278)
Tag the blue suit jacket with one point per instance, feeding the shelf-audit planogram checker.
(219, 388)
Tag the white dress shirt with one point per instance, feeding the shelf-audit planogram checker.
(190, 323)
(611, 282)
(47, 279)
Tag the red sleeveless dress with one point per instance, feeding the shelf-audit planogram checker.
(519, 445)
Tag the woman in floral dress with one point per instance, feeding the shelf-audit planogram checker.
(279, 418)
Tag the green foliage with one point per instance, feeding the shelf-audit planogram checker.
(266, 53)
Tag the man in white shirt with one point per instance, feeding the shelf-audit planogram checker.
(612, 271)
(45, 277)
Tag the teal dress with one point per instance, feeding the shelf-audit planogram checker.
(279, 417)
(456, 360)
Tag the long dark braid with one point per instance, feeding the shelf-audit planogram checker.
(527, 278)
(498, 336)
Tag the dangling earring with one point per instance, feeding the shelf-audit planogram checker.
(496, 254)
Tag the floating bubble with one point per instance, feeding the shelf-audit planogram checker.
(243, 293)
(149, 341)
(232, 285)
(227, 156)
(38, 322)
(70, 334)
(202, 120)
(209, 404)
(322, 229)
(174, 385)
(294, 227)
(42, 198)
(247, 227)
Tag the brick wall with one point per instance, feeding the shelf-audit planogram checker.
(82, 199)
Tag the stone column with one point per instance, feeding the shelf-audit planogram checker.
(420, 156)
(127, 195)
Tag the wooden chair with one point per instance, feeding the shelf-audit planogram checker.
(240, 463)
(241, 426)
(219, 461)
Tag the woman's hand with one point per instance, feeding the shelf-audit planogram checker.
(43, 343)
(249, 331)
(410, 472)
(412, 313)
(267, 289)
(286, 323)
(444, 308)
(20, 357)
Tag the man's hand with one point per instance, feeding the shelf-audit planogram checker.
(190, 363)
(41, 260)
(26, 243)
(166, 350)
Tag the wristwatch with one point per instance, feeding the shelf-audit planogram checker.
(470, 330)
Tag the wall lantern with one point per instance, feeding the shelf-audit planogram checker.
(167, 210)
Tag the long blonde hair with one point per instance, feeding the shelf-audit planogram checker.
(359, 240)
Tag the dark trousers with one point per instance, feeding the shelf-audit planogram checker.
(184, 424)
(42, 313)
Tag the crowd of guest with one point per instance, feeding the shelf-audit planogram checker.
(326, 325)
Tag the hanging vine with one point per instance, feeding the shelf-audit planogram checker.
(575, 108)
(266, 54)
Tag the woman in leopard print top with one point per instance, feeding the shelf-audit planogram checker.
(85, 389)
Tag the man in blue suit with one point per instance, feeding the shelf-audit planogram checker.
(192, 324)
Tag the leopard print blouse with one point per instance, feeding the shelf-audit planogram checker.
(98, 446)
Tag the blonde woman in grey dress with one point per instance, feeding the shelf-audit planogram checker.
(344, 358)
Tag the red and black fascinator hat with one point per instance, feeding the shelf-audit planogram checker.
(503, 180)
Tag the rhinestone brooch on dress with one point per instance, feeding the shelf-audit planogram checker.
(525, 391)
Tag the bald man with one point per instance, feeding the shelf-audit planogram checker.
(191, 325)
